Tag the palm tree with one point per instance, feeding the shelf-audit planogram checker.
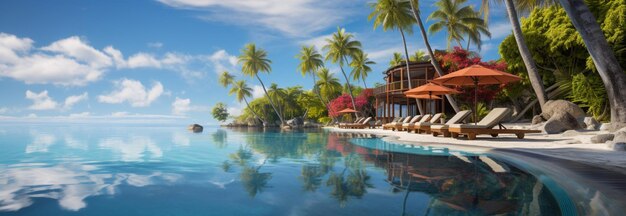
(604, 59)
(327, 83)
(226, 79)
(254, 61)
(360, 67)
(279, 96)
(529, 62)
(338, 49)
(416, 14)
(311, 61)
(394, 14)
(242, 91)
(419, 56)
(396, 59)
(476, 32)
(455, 18)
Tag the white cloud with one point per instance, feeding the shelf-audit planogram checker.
(293, 17)
(499, 29)
(41, 101)
(4, 110)
(181, 106)
(143, 60)
(80, 115)
(76, 48)
(235, 110)
(222, 61)
(155, 45)
(257, 91)
(133, 92)
(318, 41)
(74, 99)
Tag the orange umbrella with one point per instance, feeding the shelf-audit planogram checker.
(430, 97)
(476, 75)
(429, 90)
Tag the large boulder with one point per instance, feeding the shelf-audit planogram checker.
(295, 122)
(619, 141)
(602, 138)
(592, 123)
(559, 122)
(537, 119)
(554, 107)
(196, 128)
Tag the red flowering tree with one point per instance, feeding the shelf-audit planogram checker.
(458, 59)
(342, 102)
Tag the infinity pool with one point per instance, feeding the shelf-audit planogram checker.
(133, 170)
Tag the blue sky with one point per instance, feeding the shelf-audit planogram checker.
(139, 61)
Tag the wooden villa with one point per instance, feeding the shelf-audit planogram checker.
(390, 99)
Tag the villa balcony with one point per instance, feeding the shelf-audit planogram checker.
(398, 87)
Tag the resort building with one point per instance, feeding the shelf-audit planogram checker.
(390, 99)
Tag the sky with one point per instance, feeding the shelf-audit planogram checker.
(158, 61)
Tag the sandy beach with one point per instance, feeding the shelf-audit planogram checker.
(571, 145)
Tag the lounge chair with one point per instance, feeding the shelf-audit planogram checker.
(459, 117)
(392, 123)
(358, 120)
(411, 126)
(376, 124)
(399, 124)
(424, 126)
(485, 126)
(362, 125)
(404, 126)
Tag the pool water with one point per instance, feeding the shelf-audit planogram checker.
(136, 170)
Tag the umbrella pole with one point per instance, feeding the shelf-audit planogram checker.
(475, 101)
(430, 102)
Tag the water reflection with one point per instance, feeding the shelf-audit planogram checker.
(41, 142)
(136, 148)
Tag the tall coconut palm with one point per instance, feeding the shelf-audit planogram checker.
(253, 61)
(242, 91)
(416, 14)
(395, 15)
(360, 67)
(277, 94)
(396, 59)
(226, 79)
(455, 18)
(476, 31)
(529, 62)
(338, 49)
(327, 83)
(603, 57)
(311, 61)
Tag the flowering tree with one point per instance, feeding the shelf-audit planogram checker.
(362, 103)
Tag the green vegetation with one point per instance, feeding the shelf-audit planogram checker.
(220, 112)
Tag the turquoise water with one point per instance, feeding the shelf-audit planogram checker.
(132, 170)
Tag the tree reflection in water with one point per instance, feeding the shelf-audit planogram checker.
(220, 138)
(456, 184)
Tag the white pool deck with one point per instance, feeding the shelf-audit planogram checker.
(554, 145)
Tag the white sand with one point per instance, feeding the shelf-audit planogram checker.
(554, 145)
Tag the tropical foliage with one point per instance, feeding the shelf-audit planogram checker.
(458, 21)
(220, 112)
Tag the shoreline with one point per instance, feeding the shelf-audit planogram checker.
(552, 145)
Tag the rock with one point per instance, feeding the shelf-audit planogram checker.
(592, 123)
(605, 126)
(537, 119)
(560, 122)
(570, 133)
(286, 127)
(553, 107)
(602, 138)
(620, 136)
(295, 122)
(196, 128)
(574, 141)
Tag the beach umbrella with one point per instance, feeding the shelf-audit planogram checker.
(348, 110)
(476, 75)
(429, 90)
(429, 97)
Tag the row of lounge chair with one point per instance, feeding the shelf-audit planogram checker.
(454, 127)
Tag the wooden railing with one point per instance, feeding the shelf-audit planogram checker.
(398, 86)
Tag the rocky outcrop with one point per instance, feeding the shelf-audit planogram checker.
(592, 123)
(196, 128)
(560, 116)
(561, 122)
(295, 123)
(602, 138)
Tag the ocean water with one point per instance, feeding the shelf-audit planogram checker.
(141, 170)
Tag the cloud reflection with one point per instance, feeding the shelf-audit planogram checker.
(40, 143)
(133, 149)
(70, 184)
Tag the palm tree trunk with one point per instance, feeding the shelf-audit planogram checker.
(604, 59)
(468, 43)
(349, 86)
(433, 60)
(271, 101)
(364, 84)
(531, 67)
(459, 43)
(408, 73)
(251, 110)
